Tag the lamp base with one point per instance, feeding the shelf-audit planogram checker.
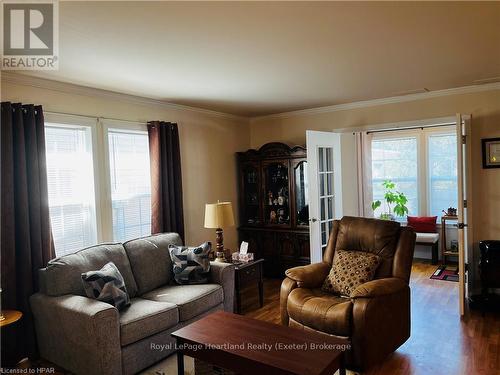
(220, 258)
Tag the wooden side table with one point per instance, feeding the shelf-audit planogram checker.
(247, 274)
(9, 317)
(444, 251)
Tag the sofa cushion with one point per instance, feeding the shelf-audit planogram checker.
(192, 300)
(191, 264)
(106, 285)
(63, 275)
(320, 310)
(427, 238)
(150, 260)
(144, 318)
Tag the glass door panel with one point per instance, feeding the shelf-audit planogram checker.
(251, 194)
(301, 194)
(276, 200)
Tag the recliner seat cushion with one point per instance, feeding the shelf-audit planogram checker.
(150, 260)
(144, 318)
(320, 310)
(192, 300)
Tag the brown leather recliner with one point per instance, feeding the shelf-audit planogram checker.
(376, 317)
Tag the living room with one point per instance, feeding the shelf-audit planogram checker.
(273, 130)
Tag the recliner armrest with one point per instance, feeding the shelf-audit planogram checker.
(379, 287)
(310, 276)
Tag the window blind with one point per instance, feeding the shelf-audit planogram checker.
(130, 184)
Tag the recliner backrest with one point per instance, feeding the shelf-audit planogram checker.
(380, 237)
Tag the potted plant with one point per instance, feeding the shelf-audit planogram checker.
(395, 202)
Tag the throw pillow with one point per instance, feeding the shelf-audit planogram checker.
(349, 270)
(423, 224)
(191, 264)
(106, 285)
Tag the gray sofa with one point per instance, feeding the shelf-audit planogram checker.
(87, 336)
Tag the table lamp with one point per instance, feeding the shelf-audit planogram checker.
(219, 215)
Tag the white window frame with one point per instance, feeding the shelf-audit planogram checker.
(421, 135)
(106, 205)
(99, 129)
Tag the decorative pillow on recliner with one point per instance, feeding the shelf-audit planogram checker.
(349, 270)
(106, 285)
(191, 264)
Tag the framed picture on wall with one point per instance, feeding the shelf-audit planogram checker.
(491, 152)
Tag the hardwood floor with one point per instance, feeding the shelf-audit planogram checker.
(441, 343)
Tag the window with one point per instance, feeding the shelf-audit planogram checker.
(99, 189)
(71, 187)
(423, 165)
(443, 189)
(130, 184)
(396, 159)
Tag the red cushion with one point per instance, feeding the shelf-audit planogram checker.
(423, 224)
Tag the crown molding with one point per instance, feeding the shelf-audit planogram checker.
(25, 80)
(70, 88)
(382, 101)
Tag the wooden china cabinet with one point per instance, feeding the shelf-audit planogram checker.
(274, 210)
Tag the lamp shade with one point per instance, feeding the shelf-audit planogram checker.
(219, 215)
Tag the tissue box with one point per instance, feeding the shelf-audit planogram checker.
(245, 258)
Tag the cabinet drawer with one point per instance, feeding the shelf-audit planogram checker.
(249, 275)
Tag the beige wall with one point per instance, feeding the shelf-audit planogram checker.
(208, 146)
(483, 106)
(208, 143)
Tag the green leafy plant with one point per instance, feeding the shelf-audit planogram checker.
(395, 201)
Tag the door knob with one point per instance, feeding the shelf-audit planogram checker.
(313, 220)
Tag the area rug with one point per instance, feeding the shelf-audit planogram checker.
(447, 273)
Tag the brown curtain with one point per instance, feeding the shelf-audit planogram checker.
(166, 179)
(26, 240)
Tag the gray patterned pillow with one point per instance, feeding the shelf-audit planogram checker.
(191, 264)
(106, 285)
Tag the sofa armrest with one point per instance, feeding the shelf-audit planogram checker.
(78, 333)
(310, 276)
(379, 287)
(223, 274)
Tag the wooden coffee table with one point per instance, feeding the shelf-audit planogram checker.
(249, 346)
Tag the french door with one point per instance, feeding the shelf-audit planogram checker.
(464, 207)
(325, 188)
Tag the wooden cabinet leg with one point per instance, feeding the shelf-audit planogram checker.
(435, 253)
(261, 293)
(238, 301)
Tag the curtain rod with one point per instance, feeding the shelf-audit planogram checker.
(409, 128)
(95, 117)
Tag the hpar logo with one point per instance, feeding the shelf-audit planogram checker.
(30, 39)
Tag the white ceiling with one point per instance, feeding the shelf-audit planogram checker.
(256, 58)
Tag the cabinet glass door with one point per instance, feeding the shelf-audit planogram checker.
(251, 194)
(301, 194)
(276, 197)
